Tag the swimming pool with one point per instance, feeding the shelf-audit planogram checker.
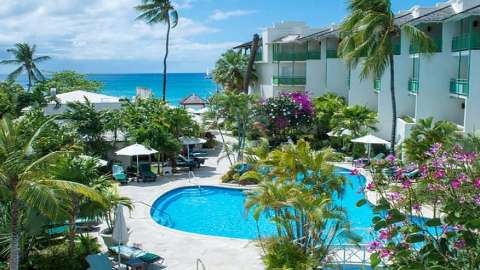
(219, 211)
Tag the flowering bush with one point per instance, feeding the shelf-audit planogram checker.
(286, 114)
(447, 185)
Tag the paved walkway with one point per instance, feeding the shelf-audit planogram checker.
(180, 249)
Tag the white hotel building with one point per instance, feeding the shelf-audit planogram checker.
(444, 85)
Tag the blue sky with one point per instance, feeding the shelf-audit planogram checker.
(102, 36)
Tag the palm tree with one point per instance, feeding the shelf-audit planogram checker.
(24, 55)
(230, 71)
(160, 11)
(25, 185)
(370, 31)
(356, 119)
(77, 170)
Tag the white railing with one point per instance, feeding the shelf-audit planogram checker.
(350, 255)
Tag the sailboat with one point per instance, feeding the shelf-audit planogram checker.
(207, 74)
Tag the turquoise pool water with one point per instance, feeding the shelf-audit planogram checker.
(220, 211)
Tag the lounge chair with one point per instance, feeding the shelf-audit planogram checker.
(128, 253)
(146, 173)
(199, 153)
(186, 163)
(119, 174)
(99, 262)
(379, 157)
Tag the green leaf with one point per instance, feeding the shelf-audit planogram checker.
(374, 260)
(415, 238)
(380, 225)
(434, 222)
(361, 202)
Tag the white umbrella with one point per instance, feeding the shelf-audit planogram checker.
(136, 150)
(191, 141)
(369, 140)
(99, 162)
(120, 230)
(345, 132)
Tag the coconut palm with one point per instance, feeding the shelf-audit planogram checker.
(24, 183)
(357, 119)
(24, 55)
(160, 11)
(370, 32)
(230, 71)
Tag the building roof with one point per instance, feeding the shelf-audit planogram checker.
(322, 33)
(80, 95)
(286, 39)
(247, 45)
(193, 99)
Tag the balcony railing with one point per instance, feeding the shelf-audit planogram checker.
(332, 53)
(469, 41)
(459, 87)
(289, 80)
(414, 48)
(377, 85)
(397, 48)
(289, 56)
(413, 86)
(314, 55)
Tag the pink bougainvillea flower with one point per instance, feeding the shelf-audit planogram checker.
(374, 246)
(434, 149)
(439, 174)
(385, 234)
(355, 171)
(417, 207)
(455, 184)
(407, 184)
(371, 186)
(384, 253)
(390, 158)
(476, 200)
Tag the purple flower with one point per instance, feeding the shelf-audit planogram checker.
(385, 234)
(390, 158)
(371, 186)
(459, 244)
(439, 174)
(385, 253)
(355, 171)
(374, 246)
(455, 184)
(476, 183)
(394, 196)
(417, 207)
(476, 200)
(423, 171)
(407, 184)
(434, 149)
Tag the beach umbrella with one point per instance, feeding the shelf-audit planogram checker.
(120, 230)
(136, 150)
(98, 162)
(369, 140)
(191, 141)
(345, 132)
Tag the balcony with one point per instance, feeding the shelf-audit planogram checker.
(314, 55)
(459, 87)
(332, 53)
(469, 41)
(289, 56)
(414, 48)
(397, 48)
(377, 85)
(289, 80)
(413, 86)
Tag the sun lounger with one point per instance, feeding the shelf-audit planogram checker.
(99, 262)
(146, 173)
(119, 174)
(128, 252)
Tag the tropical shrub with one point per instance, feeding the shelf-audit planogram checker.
(425, 134)
(325, 108)
(288, 115)
(67, 81)
(230, 70)
(298, 192)
(284, 254)
(447, 184)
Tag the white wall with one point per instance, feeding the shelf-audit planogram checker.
(315, 77)
(361, 91)
(472, 111)
(336, 77)
(52, 109)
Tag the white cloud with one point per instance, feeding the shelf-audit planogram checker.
(219, 15)
(101, 30)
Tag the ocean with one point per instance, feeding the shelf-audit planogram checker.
(179, 85)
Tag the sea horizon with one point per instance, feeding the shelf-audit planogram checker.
(179, 85)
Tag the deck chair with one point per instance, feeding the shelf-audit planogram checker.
(146, 173)
(119, 174)
(128, 252)
(99, 262)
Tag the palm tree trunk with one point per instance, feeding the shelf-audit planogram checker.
(72, 227)
(394, 105)
(253, 55)
(14, 260)
(167, 41)
(29, 72)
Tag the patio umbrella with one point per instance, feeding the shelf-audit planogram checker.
(369, 140)
(136, 150)
(191, 141)
(120, 230)
(98, 162)
(345, 132)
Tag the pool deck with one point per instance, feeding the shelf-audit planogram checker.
(181, 250)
